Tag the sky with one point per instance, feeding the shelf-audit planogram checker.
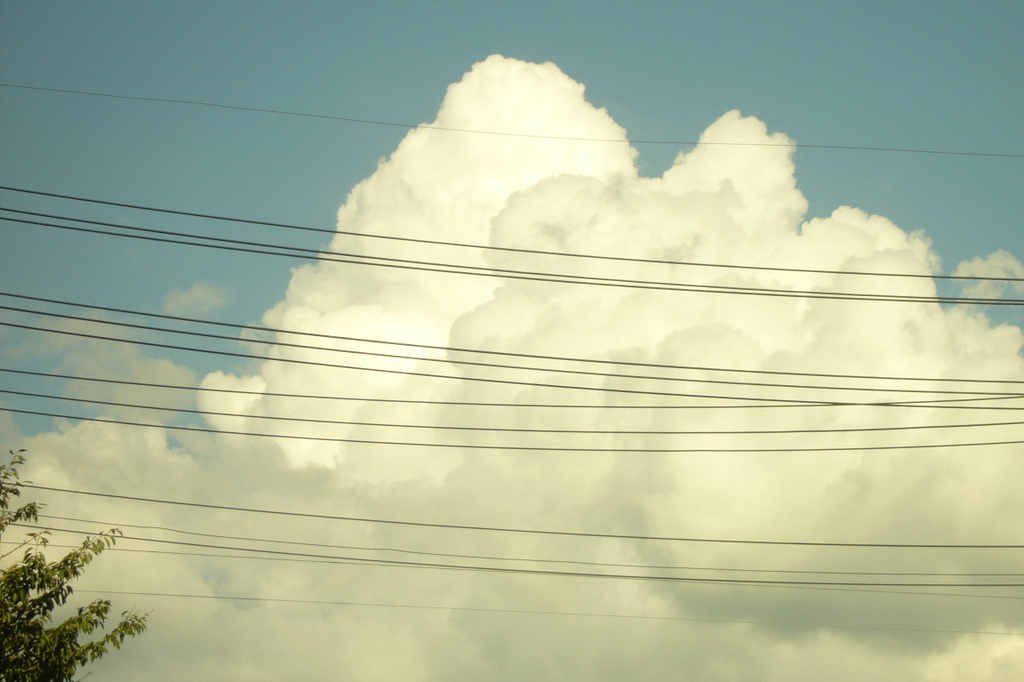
(622, 344)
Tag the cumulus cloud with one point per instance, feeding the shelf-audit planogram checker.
(202, 298)
(69, 349)
(1000, 265)
(536, 190)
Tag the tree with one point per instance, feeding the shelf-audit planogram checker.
(32, 588)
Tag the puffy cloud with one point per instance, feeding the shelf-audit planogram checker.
(202, 298)
(998, 265)
(720, 204)
(69, 350)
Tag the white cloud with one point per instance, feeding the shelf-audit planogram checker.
(717, 204)
(202, 298)
(1000, 265)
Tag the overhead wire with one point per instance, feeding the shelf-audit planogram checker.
(600, 257)
(428, 126)
(606, 564)
(543, 572)
(518, 430)
(952, 403)
(860, 590)
(386, 370)
(461, 349)
(319, 602)
(470, 363)
(243, 246)
(523, 531)
(481, 247)
(764, 400)
(517, 447)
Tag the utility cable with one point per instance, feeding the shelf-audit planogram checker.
(490, 272)
(457, 349)
(518, 570)
(517, 448)
(498, 429)
(475, 363)
(522, 531)
(428, 126)
(862, 590)
(482, 247)
(605, 564)
(576, 614)
(489, 380)
(953, 403)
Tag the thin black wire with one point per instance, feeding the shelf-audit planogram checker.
(462, 556)
(517, 570)
(483, 271)
(498, 429)
(448, 268)
(457, 349)
(929, 593)
(517, 559)
(517, 448)
(524, 531)
(523, 275)
(937, 404)
(489, 380)
(485, 247)
(473, 363)
(550, 613)
(427, 126)
(403, 401)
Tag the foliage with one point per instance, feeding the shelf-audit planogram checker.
(32, 588)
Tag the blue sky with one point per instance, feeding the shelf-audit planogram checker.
(425, 438)
(937, 76)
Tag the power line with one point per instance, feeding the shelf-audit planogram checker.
(515, 559)
(524, 531)
(543, 613)
(518, 448)
(457, 349)
(489, 380)
(498, 429)
(482, 271)
(427, 126)
(657, 406)
(862, 590)
(465, 245)
(454, 361)
(518, 559)
(242, 246)
(491, 365)
(780, 402)
(403, 401)
(518, 570)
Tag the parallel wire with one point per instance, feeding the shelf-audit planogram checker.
(861, 590)
(483, 247)
(522, 531)
(517, 570)
(611, 258)
(952, 403)
(499, 429)
(458, 349)
(548, 613)
(109, 524)
(470, 363)
(489, 380)
(428, 126)
(373, 399)
(242, 246)
(517, 448)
